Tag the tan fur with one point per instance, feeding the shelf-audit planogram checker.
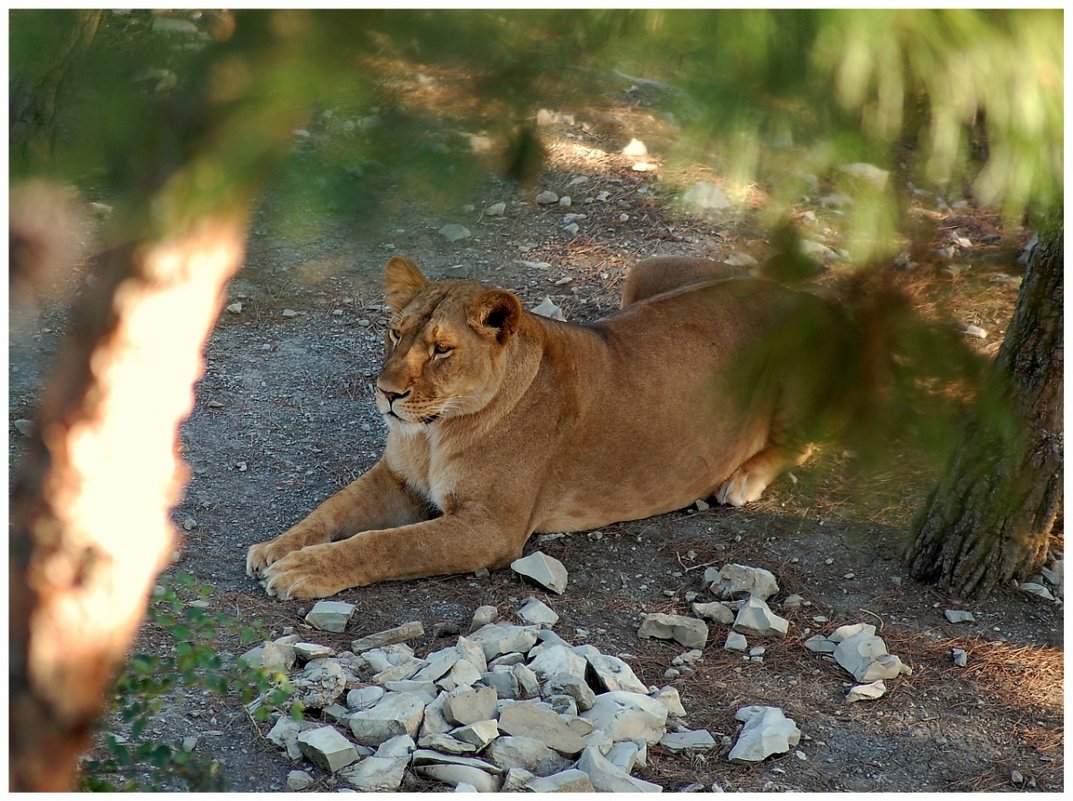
(503, 423)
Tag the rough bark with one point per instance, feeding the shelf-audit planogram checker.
(35, 95)
(988, 519)
(90, 510)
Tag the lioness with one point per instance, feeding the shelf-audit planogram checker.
(502, 422)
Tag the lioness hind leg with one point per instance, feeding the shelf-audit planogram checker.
(748, 482)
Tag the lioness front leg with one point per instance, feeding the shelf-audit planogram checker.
(748, 482)
(444, 545)
(377, 499)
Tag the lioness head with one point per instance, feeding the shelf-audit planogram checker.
(445, 346)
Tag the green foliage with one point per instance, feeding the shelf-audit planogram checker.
(188, 659)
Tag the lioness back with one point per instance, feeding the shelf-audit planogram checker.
(676, 392)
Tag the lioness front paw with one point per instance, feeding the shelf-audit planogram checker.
(740, 489)
(263, 554)
(308, 573)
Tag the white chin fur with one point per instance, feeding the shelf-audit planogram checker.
(407, 429)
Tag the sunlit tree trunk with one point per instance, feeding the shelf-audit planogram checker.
(90, 525)
(989, 518)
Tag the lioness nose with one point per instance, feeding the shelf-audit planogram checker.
(392, 396)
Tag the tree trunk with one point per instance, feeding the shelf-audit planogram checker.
(90, 510)
(988, 519)
(34, 96)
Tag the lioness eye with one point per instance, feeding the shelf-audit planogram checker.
(441, 349)
(393, 335)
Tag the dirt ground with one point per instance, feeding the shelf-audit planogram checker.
(284, 417)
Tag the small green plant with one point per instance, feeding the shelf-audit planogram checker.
(188, 658)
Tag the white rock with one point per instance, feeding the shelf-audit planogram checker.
(817, 250)
(453, 232)
(537, 613)
(688, 740)
(439, 666)
(738, 259)
(756, 618)
(528, 719)
(278, 656)
(446, 744)
(307, 651)
(706, 197)
(465, 706)
(546, 198)
(527, 753)
(496, 639)
(1036, 589)
(479, 734)
(471, 651)
(635, 148)
(364, 697)
(566, 202)
(735, 642)
(330, 615)
(327, 748)
(459, 774)
(424, 691)
(290, 313)
(961, 657)
(496, 209)
(547, 308)
(174, 25)
(628, 716)
(865, 656)
(465, 787)
(819, 644)
(567, 781)
(607, 777)
(483, 615)
(959, 616)
(543, 569)
(504, 682)
(627, 755)
(454, 769)
(401, 746)
(528, 683)
(714, 611)
(870, 173)
(236, 308)
(423, 756)
(394, 714)
(611, 672)
(434, 721)
(398, 634)
(738, 581)
(461, 674)
(689, 631)
(558, 659)
(571, 685)
(669, 697)
(974, 331)
(836, 200)
(516, 779)
(320, 684)
(767, 731)
(851, 630)
(298, 780)
(285, 734)
(867, 692)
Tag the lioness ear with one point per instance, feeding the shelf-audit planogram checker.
(402, 281)
(498, 312)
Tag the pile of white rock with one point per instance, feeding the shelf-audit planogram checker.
(863, 654)
(506, 707)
